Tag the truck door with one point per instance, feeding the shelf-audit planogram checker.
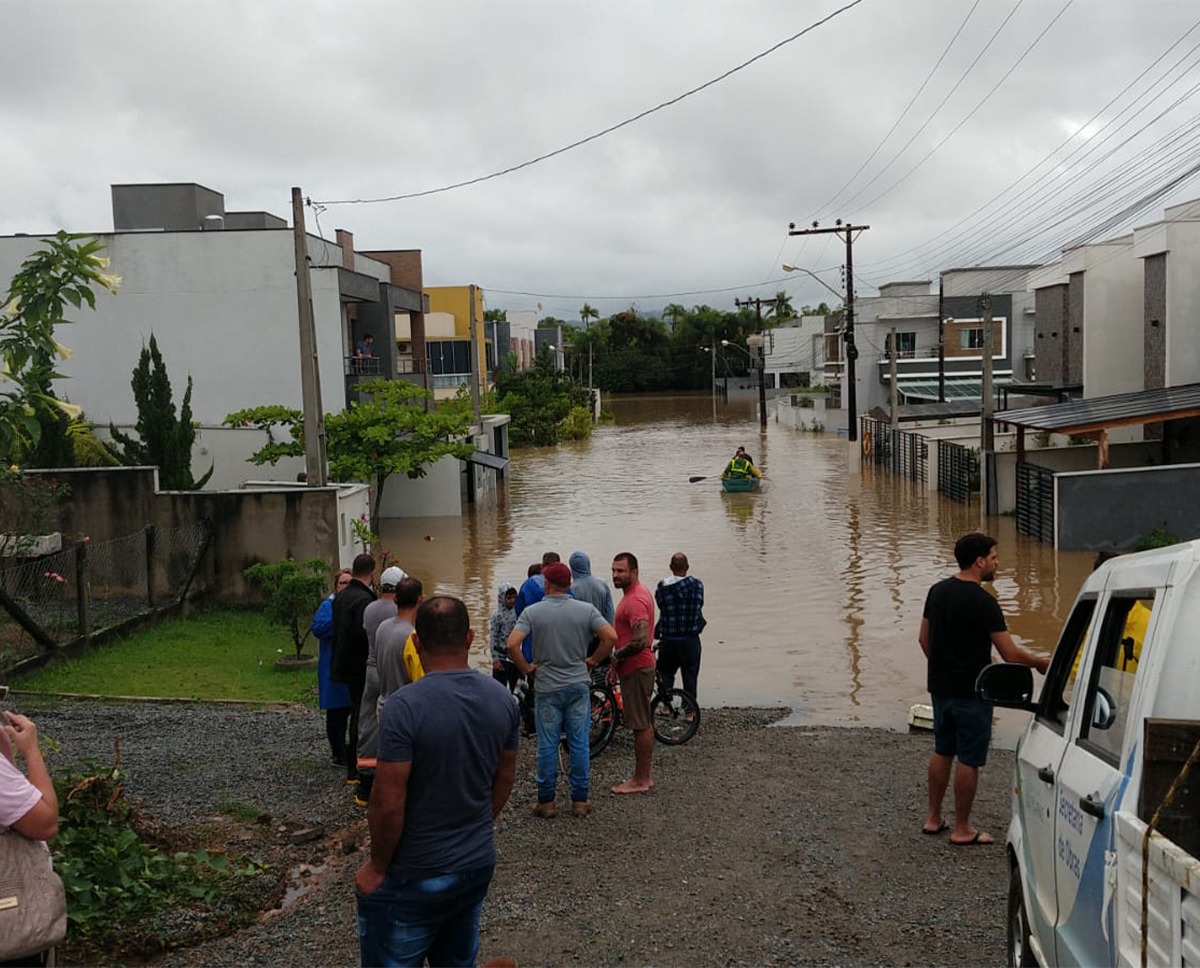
(1038, 759)
(1095, 769)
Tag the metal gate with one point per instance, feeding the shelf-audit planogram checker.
(905, 453)
(1035, 502)
(958, 471)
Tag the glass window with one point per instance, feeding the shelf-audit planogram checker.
(906, 344)
(1061, 677)
(972, 339)
(1110, 689)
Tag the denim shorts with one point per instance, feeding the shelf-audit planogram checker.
(407, 922)
(962, 728)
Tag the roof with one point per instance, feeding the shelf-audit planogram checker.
(929, 411)
(926, 388)
(1098, 413)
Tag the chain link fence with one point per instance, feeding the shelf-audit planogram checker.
(57, 599)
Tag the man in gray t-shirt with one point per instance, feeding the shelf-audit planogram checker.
(391, 637)
(564, 628)
(447, 761)
(367, 742)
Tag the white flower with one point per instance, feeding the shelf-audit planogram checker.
(100, 261)
(64, 352)
(72, 410)
(109, 282)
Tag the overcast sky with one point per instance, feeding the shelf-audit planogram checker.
(363, 100)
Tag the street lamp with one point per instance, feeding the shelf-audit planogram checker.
(848, 339)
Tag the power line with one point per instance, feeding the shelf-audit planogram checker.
(903, 114)
(970, 67)
(971, 113)
(948, 239)
(599, 134)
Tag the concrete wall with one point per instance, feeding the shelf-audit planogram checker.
(264, 523)
(1154, 321)
(1110, 510)
(1110, 316)
(222, 306)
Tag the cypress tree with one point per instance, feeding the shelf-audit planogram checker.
(163, 439)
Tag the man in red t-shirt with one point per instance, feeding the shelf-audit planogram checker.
(634, 666)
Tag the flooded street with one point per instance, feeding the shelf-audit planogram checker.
(813, 586)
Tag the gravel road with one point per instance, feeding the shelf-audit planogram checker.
(760, 845)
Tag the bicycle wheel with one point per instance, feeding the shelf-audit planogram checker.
(604, 719)
(676, 717)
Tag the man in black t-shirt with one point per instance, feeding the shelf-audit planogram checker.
(960, 624)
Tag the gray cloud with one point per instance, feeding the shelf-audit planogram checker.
(367, 99)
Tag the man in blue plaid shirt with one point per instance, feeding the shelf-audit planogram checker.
(680, 599)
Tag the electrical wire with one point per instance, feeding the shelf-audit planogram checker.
(970, 67)
(949, 239)
(606, 131)
(827, 206)
(970, 114)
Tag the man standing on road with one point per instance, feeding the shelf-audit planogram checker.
(960, 624)
(350, 647)
(447, 761)
(564, 628)
(383, 609)
(634, 667)
(680, 599)
(391, 639)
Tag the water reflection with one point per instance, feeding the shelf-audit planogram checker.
(814, 584)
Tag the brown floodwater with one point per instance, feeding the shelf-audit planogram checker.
(813, 585)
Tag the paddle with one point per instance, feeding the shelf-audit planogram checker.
(693, 480)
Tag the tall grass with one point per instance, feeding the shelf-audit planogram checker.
(215, 654)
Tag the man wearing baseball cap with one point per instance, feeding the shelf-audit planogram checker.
(564, 628)
(374, 615)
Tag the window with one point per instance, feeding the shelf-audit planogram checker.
(1110, 686)
(906, 344)
(452, 356)
(972, 339)
(1064, 669)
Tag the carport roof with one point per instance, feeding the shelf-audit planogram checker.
(1098, 413)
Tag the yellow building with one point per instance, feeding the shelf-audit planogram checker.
(448, 338)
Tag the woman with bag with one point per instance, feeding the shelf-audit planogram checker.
(33, 912)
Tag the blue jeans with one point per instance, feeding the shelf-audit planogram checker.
(566, 710)
(406, 922)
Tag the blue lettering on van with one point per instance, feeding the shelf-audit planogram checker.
(1070, 859)
(1070, 813)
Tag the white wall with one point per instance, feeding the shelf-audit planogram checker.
(1113, 309)
(222, 306)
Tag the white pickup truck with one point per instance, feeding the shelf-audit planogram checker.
(1112, 751)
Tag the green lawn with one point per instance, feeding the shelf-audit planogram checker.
(215, 654)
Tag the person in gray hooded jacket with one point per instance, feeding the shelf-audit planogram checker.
(586, 587)
(499, 626)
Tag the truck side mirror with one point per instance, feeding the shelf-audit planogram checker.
(1006, 684)
(1104, 710)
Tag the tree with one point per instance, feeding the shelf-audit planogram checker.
(389, 432)
(782, 309)
(65, 272)
(540, 401)
(163, 440)
(294, 590)
(495, 315)
(587, 314)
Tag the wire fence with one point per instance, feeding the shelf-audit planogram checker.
(57, 599)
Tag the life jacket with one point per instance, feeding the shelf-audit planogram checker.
(739, 467)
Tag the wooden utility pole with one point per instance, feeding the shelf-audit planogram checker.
(476, 369)
(310, 378)
(761, 362)
(847, 233)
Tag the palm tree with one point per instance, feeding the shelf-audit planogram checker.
(674, 312)
(783, 306)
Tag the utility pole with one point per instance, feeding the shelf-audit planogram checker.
(847, 233)
(476, 369)
(892, 360)
(987, 442)
(941, 339)
(761, 362)
(310, 378)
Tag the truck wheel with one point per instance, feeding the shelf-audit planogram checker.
(1020, 954)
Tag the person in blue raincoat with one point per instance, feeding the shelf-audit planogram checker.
(332, 697)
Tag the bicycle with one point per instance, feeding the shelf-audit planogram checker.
(674, 714)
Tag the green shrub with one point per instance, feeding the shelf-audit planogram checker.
(576, 425)
(118, 880)
(294, 590)
(1158, 538)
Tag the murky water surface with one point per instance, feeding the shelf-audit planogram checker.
(813, 586)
